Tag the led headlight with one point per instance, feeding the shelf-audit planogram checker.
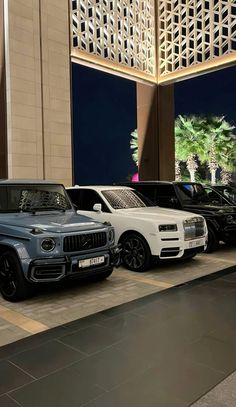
(48, 244)
(111, 235)
(168, 228)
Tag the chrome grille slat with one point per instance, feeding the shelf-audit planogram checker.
(194, 230)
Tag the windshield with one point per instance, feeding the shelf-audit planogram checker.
(229, 192)
(126, 199)
(193, 193)
(31, 198)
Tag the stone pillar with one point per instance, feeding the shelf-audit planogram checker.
(3, 112)
(38, 89)
(155, 124)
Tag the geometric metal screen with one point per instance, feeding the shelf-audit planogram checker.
(194, 33)
(156, 40)
(118, 33)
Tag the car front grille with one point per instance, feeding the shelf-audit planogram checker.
(194, 229)
(84, 241)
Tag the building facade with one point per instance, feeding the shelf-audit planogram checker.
(154, 42)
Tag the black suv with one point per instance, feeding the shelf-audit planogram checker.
(192, 197)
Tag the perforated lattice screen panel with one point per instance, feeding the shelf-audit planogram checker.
(33, 199)
(119, 31)
(123, 199)
(194, 32)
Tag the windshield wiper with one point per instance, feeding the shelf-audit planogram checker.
(39, 209)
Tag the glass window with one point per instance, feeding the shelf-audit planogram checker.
(146, 190)
(74, 195)
(192, 193)
(88, 198)
(126, 199)
(29, 198)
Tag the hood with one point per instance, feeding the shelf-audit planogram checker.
(51, 222)
(205, 209)
(166, 215)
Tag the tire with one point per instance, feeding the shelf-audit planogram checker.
(13, 285)
(102, 276)
(136, 255)
(213, 242)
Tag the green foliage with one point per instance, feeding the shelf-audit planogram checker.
(206, 136)
(134, 145)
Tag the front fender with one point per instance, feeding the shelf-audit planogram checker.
(213, 223)
(17, 246)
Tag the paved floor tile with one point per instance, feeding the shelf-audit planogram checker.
(56, 305)
(223, 395)
(46, 358)
(64, 388)
(166, 349)
(93, 339)
(213, 353)
(12, 377)
(6, 401)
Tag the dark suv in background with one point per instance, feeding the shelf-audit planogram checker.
(192, 197)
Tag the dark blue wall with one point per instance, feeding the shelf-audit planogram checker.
(213, 93)
(104, 115)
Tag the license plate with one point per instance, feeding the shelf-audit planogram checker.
(94, 261)
(196, 243)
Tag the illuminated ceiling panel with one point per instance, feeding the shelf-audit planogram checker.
(118, 34)
(195, 35)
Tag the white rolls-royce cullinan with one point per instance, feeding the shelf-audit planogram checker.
(142, 229)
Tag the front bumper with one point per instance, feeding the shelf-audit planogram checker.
(179, 248)
(58, 268)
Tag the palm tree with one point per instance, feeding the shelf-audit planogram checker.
(208, 138)
(220, 144)
(188, 142)
(134, 145)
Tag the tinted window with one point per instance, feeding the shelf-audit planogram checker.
(146, 190)
(88, 198)
(74, 195)
(192, 193)
(214, 196)
(165, 194)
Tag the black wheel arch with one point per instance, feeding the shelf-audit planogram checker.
(5, 247)
(130, 232)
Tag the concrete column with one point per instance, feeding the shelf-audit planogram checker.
(38, 89)
(155, 117)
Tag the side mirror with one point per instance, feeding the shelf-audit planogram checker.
(97, 207)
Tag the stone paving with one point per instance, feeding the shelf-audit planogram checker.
(223, 395)
(55, 306)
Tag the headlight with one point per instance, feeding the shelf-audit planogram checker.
(111, 235)
(168, 228)
(229, 219)
(48, 244)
